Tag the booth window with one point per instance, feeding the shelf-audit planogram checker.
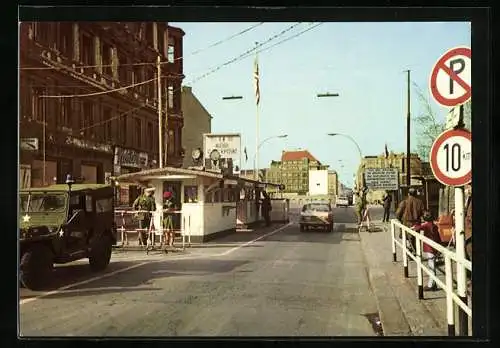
(190, 194)
(208, 195)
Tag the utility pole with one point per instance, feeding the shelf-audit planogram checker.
(160, 118)
(408, 171)
(167, 137)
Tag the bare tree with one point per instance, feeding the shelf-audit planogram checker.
(428, 125)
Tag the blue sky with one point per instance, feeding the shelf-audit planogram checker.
(363, 62)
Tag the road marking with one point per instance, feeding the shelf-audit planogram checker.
(53, 292)
(179, 257)
(254, 240)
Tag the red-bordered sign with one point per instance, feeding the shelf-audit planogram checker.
(450, 87)
(451, 157)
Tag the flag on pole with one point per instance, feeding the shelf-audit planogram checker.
(386, 152)
(256, 80)
(246, 155)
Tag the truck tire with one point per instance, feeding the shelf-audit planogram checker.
(100, 253)
(302, 228)
(36, 267)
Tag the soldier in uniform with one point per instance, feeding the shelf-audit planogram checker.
(144, 202)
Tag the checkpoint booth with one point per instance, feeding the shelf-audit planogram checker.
(248, 212)
(205, 201)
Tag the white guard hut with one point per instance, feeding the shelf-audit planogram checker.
(206, 200)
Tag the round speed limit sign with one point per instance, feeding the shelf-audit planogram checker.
(451, 157)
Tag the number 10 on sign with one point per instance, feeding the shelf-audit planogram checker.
(451, 159)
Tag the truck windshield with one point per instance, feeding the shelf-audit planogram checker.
(42, 203)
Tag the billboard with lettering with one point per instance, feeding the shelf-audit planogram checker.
(228, 145)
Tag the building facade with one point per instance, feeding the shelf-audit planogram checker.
(197, 120)
(295, 167)
(86, 131)
(318, 182)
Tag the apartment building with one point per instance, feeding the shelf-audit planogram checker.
(86, 131)
(197, 121)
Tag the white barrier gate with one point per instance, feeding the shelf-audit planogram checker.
(451, 297)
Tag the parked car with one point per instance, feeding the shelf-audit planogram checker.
(61, 224)
(317, 214)
(342, 201)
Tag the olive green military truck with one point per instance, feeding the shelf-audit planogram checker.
(61, 224)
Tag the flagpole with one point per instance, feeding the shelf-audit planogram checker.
(257, 91)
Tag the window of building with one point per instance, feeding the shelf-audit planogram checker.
(150, 136)
(106, 51)
(42, 32)
(161, 40)
(65, 113)
(138, 132)
(123, 129)
(65, 39)
(149, 33)
(38, 104)
(87, 118)
(170, 96)
(108, 125)
(171, 50)
(171, 142)
(123, 68)
(137, 77)
(87, 49)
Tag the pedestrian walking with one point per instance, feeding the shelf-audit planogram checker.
(266, 208)
(360, 204)
(431, 231)
(410, 212)
(387, 206)
(145, 203)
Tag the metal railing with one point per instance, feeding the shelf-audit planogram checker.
(152, 230)
(448, 286)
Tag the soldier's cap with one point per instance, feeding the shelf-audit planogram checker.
(149, 189)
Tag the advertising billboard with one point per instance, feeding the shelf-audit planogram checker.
(228, 146)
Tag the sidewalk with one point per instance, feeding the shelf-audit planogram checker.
(401, 312)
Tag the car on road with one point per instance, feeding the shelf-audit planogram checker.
(64, 223)
(342, 201)
(316, 214)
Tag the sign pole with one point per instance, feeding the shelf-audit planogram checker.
(460, 250)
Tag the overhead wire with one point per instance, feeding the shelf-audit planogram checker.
(217, 43)
(274, 37)
(240, 57)
(202, 76)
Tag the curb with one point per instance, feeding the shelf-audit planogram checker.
(392, 318)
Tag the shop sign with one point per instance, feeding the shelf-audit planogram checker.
(88, 145)
(29, 144)
(130, 158)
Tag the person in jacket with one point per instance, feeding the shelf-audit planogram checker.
(410, 212)
(360, 203)
(387, 207)
(168, 226)
(266, 208)
(429, 253)
(145, 203)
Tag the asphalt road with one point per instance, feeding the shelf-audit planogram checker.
(287, 283)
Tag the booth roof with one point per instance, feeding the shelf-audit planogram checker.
(159, 172)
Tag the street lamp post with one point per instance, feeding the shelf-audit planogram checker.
(355, 143)
(255, 164)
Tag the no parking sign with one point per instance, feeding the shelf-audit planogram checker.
(450, 80)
